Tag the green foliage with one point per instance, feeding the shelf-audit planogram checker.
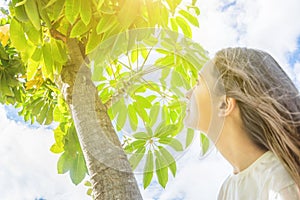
(36, 54)
(72, 159)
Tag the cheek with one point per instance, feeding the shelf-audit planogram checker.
(204, 110)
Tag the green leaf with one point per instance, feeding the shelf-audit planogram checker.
(141, 112)
(154, 111)
(117, 108)
(33, 35)
(192, 19)
(49, 117)
(165, 114)
(153, 9)
(133, 120)
(141, 135)
(42, 115)
(20, 13)
(134, 55)
(134, 145)
(32, 13)
(50, 3)
(93, 41)
(204, 143)
(174, 24)
(169, 160)
(189, 137)
(186, 29)
(48, 60)
(57, 114)
(106, 23)
(164, 130)
(37, 107)
(176, 79)
(148, 169)
(86, 11)
(128, 13)
(142, 101)
(121, 118)
(64, 163)
(137, 157)
(79, 29)
(100, 3)
(17, 35)
(58, 52)
(89, 191)
(31, 69)
(172, 142)
(78, 169)
(57, 8)
(36, 56)
(55, 148)
(88, 183)
(161, 169)
(72, 10)
(173, 4)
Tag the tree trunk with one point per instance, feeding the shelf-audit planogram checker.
(109, 169)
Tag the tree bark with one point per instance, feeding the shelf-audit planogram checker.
(109, 169)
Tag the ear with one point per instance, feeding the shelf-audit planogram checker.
(226, 106)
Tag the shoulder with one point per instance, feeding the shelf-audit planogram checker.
(276, 176)
(266, 174)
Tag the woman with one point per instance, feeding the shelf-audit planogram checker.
(259, 113)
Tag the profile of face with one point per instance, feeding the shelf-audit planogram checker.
(199, 108)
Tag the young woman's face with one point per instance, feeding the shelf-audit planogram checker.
(199, 110)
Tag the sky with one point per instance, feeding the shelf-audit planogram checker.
(28, 168)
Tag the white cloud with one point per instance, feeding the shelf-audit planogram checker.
(28, 168)
(269, 25)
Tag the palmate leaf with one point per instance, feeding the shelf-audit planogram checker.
(204, 141)
(161, 168)
(64, 163)
(122, 118)
(17, 35)
(186, 29)
(148, 169)
(72, 10)
(133, 120)
(136, 157)
(189, 137)
(78, 169)
(172, 142)
(154, 111)
(86, 11)
(134, 145)
(192, 19)
(33, 14)
(141, 135)
(79, 28)
(170, 161)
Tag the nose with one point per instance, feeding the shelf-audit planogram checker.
(189, 93)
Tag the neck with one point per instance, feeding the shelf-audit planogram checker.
(236, 146)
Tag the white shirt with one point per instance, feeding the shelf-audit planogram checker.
(265, 179)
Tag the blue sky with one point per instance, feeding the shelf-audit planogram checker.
(28, 168)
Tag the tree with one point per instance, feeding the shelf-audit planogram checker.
(64, 62)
